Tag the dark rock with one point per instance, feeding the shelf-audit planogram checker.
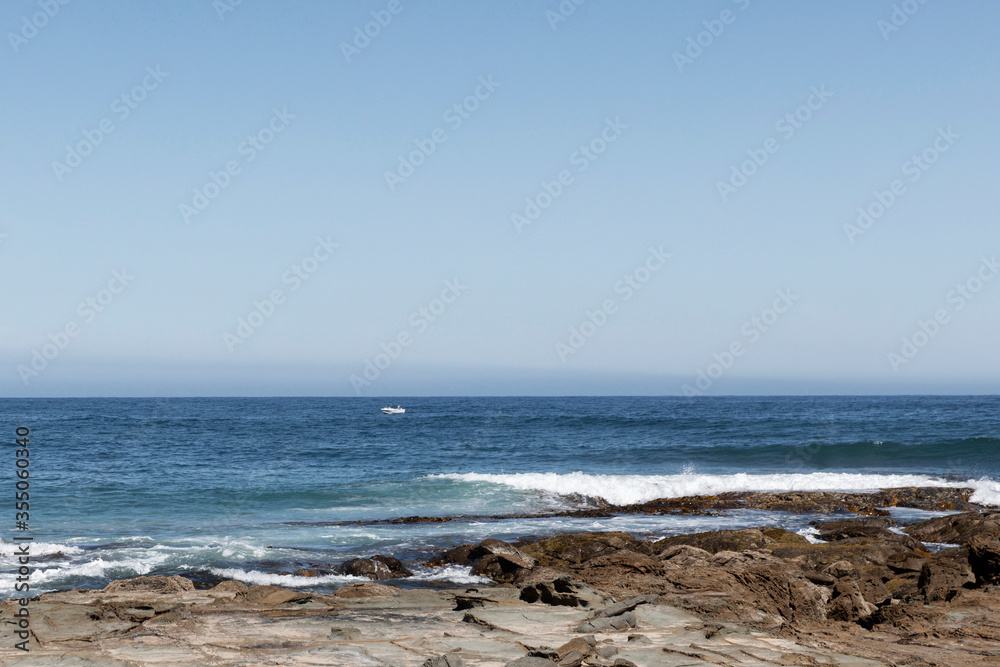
(564, 592)
(958, 528)
(376, 568)
(984, 559)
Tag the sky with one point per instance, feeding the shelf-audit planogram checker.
(391, 198)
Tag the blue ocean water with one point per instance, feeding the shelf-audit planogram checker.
(252, 487)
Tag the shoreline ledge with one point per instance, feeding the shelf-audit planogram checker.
(873, 593)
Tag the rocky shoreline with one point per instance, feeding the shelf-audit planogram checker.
(870, 592)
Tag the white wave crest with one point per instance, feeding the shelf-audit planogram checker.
(9, 550)
(629, 489)
(257, 578)
(455, 574)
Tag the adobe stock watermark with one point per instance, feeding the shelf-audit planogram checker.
(626, 286)
(914, 168)
(122, 107)
(786, 126)
(248, 149)
(419, 321)
(454, 116)
(363, 37)
(223, 7)
(87, 311)
(264, 309)
(581, 158)
(901, 13)
(31, 25)
(752, 330)
(564, 10)
(714, 28)
(956, 299)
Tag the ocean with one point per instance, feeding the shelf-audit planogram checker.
(251, 488)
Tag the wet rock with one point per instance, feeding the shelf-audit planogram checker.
(376, 568)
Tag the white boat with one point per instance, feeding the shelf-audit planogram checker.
(394, 411)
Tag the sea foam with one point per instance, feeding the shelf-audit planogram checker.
(629, 489)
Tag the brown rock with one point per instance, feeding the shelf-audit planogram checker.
(365, 589)
(579, 548)
(734, 540)
(944, 579)
(151, 584)
(958, 528)
(231, 585)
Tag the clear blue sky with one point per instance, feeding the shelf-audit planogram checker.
(198, 81)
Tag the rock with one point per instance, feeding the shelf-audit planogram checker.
(365, 589)
(626, 605)
(530, 661)
(446, 660)
(157, 584)
(586, 646)
(619, 623)
(563, 591)
(874, 528)
(734, 540)
(622, 662)
(684, 555)
(491, 558)
(395, 566)
(958, 528)
(984, 559)
(499, 548)
(574, 549)
(848, 604)
(231, 585)
(344, 634)
(607, 651)
(944, 580)
(273, 596)
(376, 567)
(572, 659)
